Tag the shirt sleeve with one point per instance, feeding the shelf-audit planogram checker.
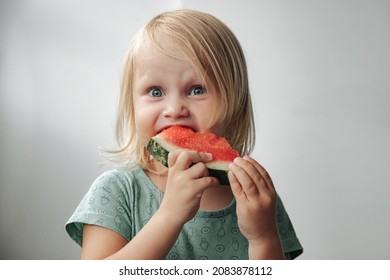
(105, 204)
(290, 242)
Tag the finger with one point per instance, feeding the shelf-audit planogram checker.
(186, 158)
(175, 154)
(244, 173)
(263, 172)
(172, 157)
(206, 182)
(198, 170)
(235, 185)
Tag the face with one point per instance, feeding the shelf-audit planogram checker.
(169, 91)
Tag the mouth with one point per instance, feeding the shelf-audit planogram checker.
(185, 126)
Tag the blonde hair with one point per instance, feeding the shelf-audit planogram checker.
(217, 55)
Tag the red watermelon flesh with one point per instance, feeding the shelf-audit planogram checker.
(185, 138)
(178, 137)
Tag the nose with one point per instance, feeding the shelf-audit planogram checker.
(175, 108)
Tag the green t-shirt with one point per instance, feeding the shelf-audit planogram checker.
(124, 200)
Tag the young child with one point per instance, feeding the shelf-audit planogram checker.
(183, 68)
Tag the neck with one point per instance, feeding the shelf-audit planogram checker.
(216, 198)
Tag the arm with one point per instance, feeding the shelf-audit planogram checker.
(144, 245)
(256, 208)
(269, 249)
(187, 179)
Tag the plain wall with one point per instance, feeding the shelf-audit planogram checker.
(320, 80)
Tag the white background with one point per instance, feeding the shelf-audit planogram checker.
(320, 79)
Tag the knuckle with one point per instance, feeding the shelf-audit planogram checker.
(201, 169)
(173, 154)
(209, 180)
(257, 177)
(266, 175)
(186, 156)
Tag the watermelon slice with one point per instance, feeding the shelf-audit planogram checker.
(178, 137)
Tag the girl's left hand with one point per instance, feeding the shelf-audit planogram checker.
(256, 199)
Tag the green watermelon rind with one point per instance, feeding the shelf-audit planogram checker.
(160, 153)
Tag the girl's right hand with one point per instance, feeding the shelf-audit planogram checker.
(187, 179)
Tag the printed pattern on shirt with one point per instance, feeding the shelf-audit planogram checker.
(124, 201)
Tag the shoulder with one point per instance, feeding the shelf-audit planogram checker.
(119, 175)
(120, 184)
(131, 183)
(120, 178)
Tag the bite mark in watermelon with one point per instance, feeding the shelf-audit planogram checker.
(178, 137)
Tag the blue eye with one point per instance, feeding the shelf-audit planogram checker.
(156, 92)
(197, 90)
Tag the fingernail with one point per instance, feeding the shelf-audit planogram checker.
(237, 159)
(207, 156)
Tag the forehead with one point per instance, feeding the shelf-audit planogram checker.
(147, 52)
(161, 43)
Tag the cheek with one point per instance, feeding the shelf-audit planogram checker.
(142, 137)
(140, 113)
(144, 121)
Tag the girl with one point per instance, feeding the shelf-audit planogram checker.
(183, 68)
